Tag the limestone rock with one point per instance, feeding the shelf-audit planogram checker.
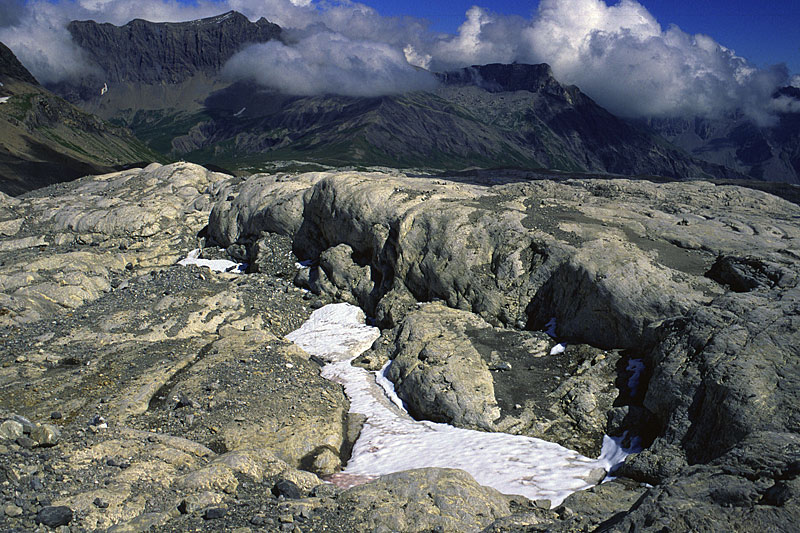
(425, 499)
(46, 435)
(438, 373)
(620, 264)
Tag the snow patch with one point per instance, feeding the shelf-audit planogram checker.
(239, 113)
(558, 348)
(4, 99)
(388, 387)
(392, 441)
(217, 265)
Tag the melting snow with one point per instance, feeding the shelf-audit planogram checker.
(4, 99)
(558, 348)
(218, 265)
(392, 441)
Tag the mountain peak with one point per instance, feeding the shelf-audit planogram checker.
(499, 77)
(171, 52)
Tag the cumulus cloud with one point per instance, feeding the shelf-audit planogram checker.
(618, 54)
(329, 63)
(621, 56)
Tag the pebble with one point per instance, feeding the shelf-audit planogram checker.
(287, 489)
(542, 504)
(11, 430)
(26, 442)
(100, 503)
(54, 516)
(259, 520)
(55, 415)
(215, 512)
(12, 510)
(46, 435)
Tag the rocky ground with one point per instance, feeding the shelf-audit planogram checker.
(141, 395)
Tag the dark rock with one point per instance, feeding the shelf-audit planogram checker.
(100, 503)
(54, 516)
(26, 442)
(214, 513)
(287, 489)
(744, 274)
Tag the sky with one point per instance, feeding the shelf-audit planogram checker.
(645, 58)
(766, 33)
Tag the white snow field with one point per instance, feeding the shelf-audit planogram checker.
(392, 441)
(217, 265)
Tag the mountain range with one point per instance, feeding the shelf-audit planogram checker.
(165, 82)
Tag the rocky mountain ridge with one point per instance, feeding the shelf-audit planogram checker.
(163, 82)
(143, 52)
(770, 152)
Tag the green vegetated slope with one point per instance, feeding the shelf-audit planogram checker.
(44, 139)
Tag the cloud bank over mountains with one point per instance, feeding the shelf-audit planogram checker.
(618, 54)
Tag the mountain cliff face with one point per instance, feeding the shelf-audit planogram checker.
(770, 153)
(149, 52)
(565, 128)
(44, 139)
(490, 115)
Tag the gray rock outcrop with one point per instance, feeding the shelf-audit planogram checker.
(177, 400)
(438, 373)
(620, 264)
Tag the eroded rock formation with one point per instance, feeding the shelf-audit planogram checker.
(174, 399)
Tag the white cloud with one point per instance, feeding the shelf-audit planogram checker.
(329, 63)
(620, 55)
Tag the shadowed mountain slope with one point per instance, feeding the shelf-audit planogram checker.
(44, 139)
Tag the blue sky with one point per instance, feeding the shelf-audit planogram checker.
(763, 32)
